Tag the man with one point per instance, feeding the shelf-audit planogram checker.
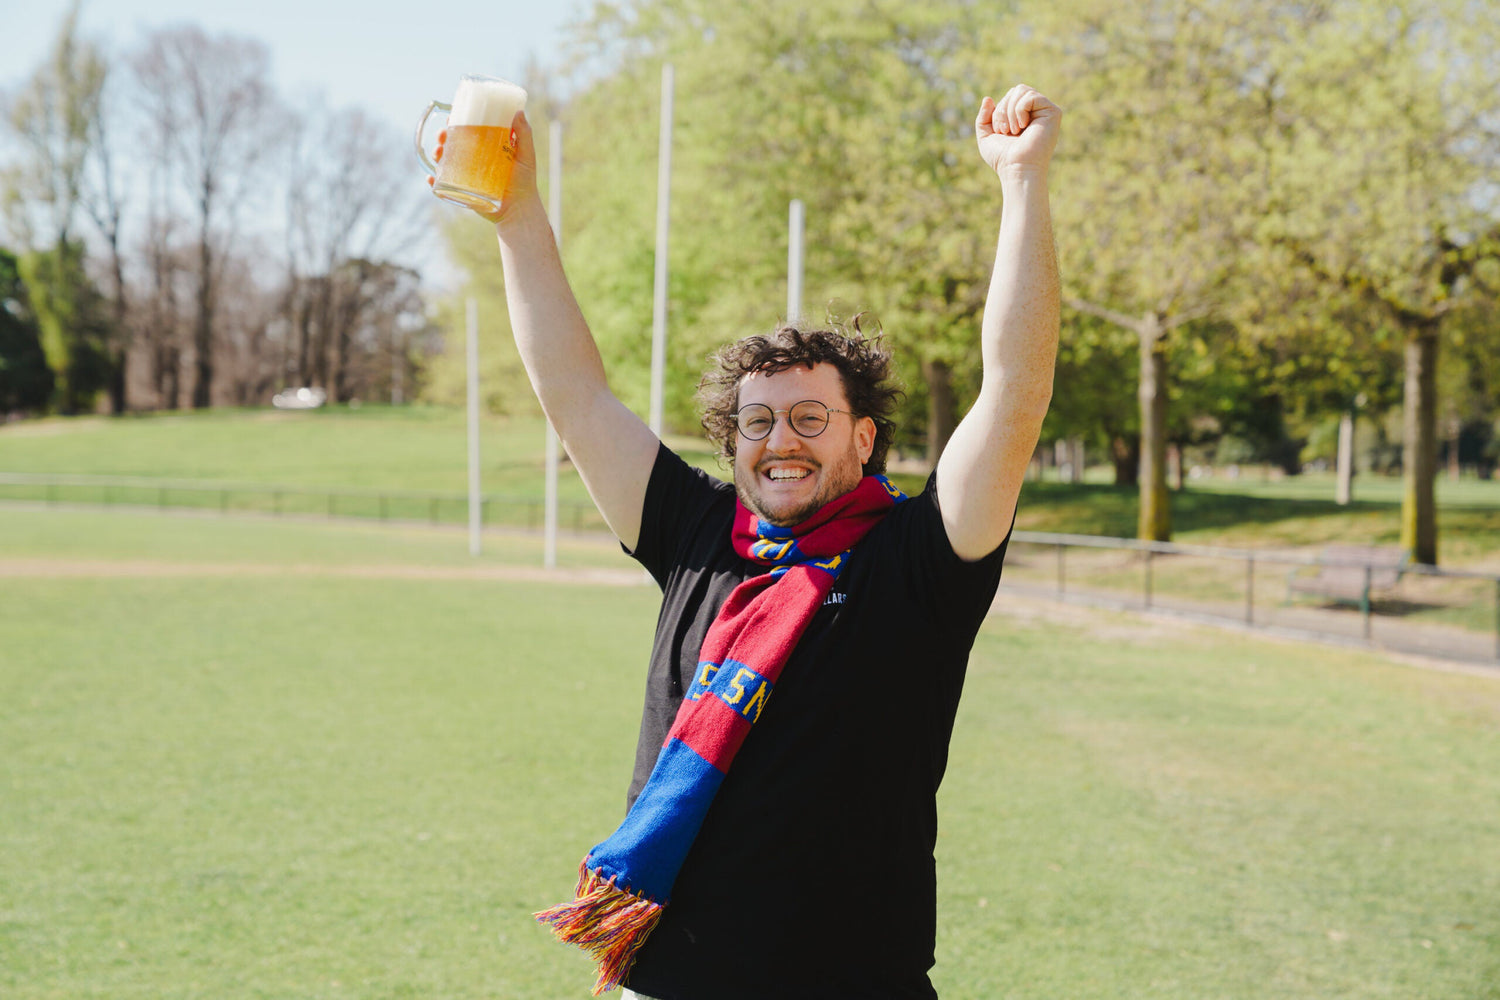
(814, 629)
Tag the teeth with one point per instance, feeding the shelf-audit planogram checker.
(783, 474)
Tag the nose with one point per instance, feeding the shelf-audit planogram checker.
(783, 440)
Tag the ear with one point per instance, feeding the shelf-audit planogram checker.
(864, 438)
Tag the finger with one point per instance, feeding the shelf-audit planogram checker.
(437, 154)
(984, 124)
(1041, 107)
(1031, 104)
(431, 181)
(520, 128)
(1006, 113)
(1015, 117)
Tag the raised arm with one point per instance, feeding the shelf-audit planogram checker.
(981, 470)
(612, 448)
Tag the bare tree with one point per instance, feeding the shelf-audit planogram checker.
(103, 198)
(210, 104)
(350, 207)
(248, 328)
(52, 117)
(162, 318)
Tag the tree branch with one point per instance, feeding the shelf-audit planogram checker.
(1131, 323)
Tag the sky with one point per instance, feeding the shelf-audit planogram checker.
(387, 57)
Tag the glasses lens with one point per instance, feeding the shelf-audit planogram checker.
(809, 418)
(755, 420)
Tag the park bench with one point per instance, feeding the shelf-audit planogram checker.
(1350, 573)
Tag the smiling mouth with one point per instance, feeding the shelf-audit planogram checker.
(787, 475)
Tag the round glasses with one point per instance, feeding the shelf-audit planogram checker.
(808, 418)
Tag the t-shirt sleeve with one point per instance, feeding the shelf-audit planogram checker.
(959, 593)
(680, 500)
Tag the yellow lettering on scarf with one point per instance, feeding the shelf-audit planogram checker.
(707, 674)
(757, 702)
(738, 685)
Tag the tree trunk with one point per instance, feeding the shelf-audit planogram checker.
(1455, 462)
(1155, 523)
(203, 328)
(170, 368)
(1125, 453)
(304, 336)
(117, 399)
(1419, 448)
(119, 337)
(1345, 491)
(942, 408)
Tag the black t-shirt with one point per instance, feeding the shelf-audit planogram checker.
(813, 874)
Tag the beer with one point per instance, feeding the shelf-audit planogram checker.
(477, 159)
(479, 151)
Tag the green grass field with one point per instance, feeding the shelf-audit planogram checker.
(422, 449)
(357, 778)
(328, 464)
(416, 447)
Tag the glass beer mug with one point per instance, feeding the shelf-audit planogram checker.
(479, 151)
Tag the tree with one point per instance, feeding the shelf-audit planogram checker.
(1155, 181)
(863, 111)
(1387, 194)
(210, 106)
(54, 117)
(169, 270)
(25, 380)
(1470, 379)
(103, 197)
(350, 207)
(69, 313)
(1089, 398)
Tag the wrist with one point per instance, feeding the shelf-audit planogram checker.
(523, 213)
(1023, 174)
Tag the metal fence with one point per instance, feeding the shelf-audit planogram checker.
(1447, 613)
(375, 504)
(1454, 614)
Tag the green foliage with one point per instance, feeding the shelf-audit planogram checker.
(72, 318)
(1155, 181)
(53, 116)
(1386, 202)
(25, 380)
(857, 109)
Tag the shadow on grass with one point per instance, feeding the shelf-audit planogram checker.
(1393, 607)
(1380, 607)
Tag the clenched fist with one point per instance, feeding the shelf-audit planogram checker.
(1021, 131)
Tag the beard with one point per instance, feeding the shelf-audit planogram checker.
(834, 481)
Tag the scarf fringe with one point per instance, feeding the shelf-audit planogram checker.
(608, 922)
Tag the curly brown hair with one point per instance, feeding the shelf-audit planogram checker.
(863, 363)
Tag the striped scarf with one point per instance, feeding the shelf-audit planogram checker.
(625, 881)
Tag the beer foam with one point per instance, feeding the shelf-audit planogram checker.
(482, 100)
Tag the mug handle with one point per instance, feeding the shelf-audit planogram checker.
(422, 127)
